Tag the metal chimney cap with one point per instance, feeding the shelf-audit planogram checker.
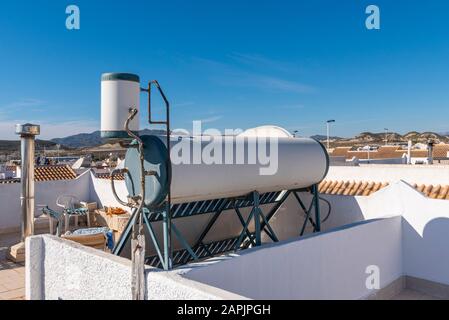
(28, 129)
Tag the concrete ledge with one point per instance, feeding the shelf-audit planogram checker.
(328, 265)
(389, 291)
(431, 288)
(62, 269)
(426, 287)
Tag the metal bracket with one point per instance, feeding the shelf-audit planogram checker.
(216, 207)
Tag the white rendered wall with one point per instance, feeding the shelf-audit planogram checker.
(101, 192)
(425, 226)
(327, 266)
(61, 269)
(426, 238)
(402, 160)
(416, 246)
(46, 193)
(424, 174)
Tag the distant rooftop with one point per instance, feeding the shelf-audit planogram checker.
(440, 151)
(366, 188)
(49, 173)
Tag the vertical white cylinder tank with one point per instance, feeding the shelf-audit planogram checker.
(119, 93)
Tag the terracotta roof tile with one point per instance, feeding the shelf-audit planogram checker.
(418, 153)
(366, 188)
(51, 173)
(48, 173)
(119, 176)
(355, 187)
(5, 181)
(350, 188)
(340, 151)
(440, 151)
(443, 192)
(387, 149)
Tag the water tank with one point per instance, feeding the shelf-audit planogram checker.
(119, 92)
(266, 131)
(300, 163)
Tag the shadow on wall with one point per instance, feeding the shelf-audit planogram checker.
(289, 220)
(344, 210)
(425, 252)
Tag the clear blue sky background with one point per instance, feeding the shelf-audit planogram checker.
(233, 64)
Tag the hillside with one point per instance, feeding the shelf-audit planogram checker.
(88, 140)
(81, 140)
(369, 138)
(93, 139)
(14, 145)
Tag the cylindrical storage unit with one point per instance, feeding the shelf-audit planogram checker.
(198, 173)
(119, 93)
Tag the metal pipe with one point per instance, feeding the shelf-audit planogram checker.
(114, 192)
(166, 223)
(316, 203)
(27, 134)
(257, 218)
(138, 237)
(430, 145)
(328, 122)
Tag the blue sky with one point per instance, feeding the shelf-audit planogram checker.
(232, 64)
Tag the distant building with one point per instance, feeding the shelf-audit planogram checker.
(393, 154)
(8, 172)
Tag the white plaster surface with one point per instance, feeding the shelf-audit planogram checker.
(327, 266)
(61, 269)
(101, 192)
(425, 226)
(34, 269)
(46, 193)
(427, 174)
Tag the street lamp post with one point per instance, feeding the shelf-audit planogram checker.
(328, 122)
(386, 136)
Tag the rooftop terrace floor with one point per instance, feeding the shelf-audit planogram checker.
(12, 275)
(408, 294)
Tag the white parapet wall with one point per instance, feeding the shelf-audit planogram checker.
(425, 226)
(45, 195)
(60, 269)
(426, 174)
(398, 229)
(331, 265)
(101, 192)
(86, 187)
(336, 264)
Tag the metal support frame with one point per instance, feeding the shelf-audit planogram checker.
(166, 259)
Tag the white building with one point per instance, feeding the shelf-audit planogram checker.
(387, 221)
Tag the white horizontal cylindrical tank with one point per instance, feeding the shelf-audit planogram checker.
(266, 131)
(206, 168)
(119, 93)
(299, 163)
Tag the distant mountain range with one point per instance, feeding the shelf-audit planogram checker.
(86, 140)
(369, 138)
(320, 137)
(14, 145)
(94, 139)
